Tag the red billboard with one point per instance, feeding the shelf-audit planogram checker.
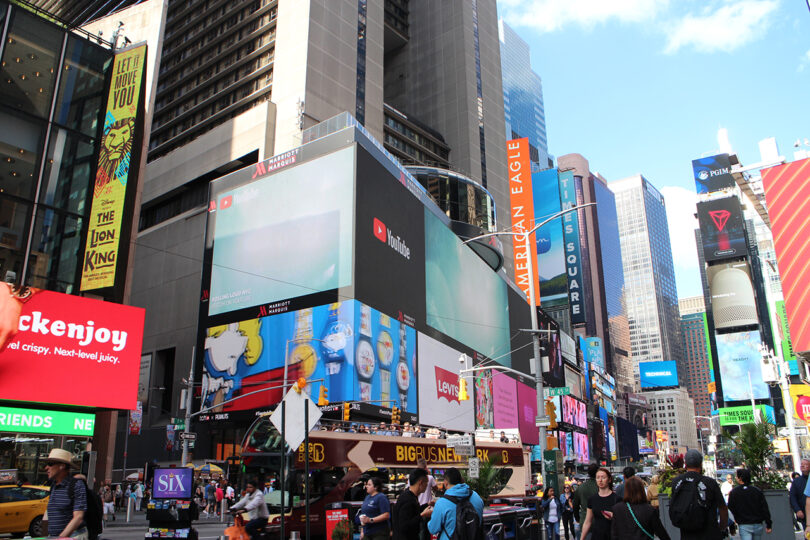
(74, 351)
(787, 191)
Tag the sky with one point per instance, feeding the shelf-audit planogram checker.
(643, 86)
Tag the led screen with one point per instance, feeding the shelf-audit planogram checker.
(438, 387)
(550, 247)
(581, 447)
(712, 173)
(527, 411)
(465, 299)
(739, 359)
(658, 374)
(505, 406)
(173, 483)
(484, 412)
(286, 235)
(722, 229)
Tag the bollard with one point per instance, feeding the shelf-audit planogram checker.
(129, 508)
(222, 511)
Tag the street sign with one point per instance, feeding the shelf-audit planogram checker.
(294, 415)
(464, 450)
(785, 432)
(542, 421)
(459, 440)
(190, 436)
(562, 391)
(473, 467)
(179, 423)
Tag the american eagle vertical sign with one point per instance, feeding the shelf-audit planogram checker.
(112, 174)
(522, 203)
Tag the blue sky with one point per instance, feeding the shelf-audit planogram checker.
(642, 86)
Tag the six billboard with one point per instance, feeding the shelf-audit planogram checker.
(741, 366)
(722, 229)
(522, 211)
(787, 190)
(66, 334)
(658, 374)
(573, 255)
(712, 173)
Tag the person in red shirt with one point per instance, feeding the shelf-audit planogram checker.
(219, 494)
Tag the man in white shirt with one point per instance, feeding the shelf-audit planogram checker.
(253, 503)
(725, 489)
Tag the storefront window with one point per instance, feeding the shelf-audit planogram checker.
(68, 171)
(81, 88)
(21, 142)
(57, 240)
(29, 65)
(14, 219)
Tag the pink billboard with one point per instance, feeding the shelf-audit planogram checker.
(527, 411)
(504, 404)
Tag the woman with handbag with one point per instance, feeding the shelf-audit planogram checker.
(634, 518)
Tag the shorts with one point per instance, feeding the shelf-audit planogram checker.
(109, 508)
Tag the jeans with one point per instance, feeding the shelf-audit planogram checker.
(552, 530)
(751, 531)
(253, 526)
(568, 524)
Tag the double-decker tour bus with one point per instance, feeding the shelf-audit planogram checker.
(341, 462)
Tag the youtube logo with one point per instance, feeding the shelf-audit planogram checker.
(226, 202)
(385, 236)
(380, 231)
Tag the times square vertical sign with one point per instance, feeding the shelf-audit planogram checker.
(118, 157)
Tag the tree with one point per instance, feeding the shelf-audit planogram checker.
(490, 478)
(755, 444)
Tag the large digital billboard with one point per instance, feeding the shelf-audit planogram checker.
(505, 406)
(741, 366)
(553, 372)
(787, 190)
(465, 299)
(484, 407)
(733, 301)
(527, 411)
(438, 388)
(74, 351)
(595, 352)
(573, 255)
(550, 246)
(712, 173)
(360, 353)
(522, 211)
(735, 416)
(722, 229)
(658, 374)
(268, 246)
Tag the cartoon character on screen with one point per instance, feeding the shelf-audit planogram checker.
(224, 347)
(483, 400)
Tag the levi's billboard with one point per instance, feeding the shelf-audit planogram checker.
(787, 190)
(438, 387)
(522, 211)
(74, 351)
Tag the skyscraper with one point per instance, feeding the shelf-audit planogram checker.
(603, 275)
(697, 375)
(652, 298)
(522, 96)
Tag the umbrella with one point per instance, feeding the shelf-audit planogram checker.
(209, 468)
(133, 476)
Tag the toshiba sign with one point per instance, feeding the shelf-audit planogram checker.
(74, 351)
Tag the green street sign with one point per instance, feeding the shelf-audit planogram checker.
(42, 421)
(562, 391)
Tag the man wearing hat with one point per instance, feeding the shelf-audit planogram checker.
(65, 509)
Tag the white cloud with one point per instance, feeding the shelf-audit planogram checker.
(804, 62)
(682, 224)
(721, 27)
(550, 15)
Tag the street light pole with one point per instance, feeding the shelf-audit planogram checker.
(542, 420)
(189, 390)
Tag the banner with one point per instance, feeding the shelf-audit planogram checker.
(787, 191)
(550, 247)
(800, 396)
(522, 204)
(573, 256)
(42, 421)
(712, 173)
(74, 351)
(658, 374)
(505, 406)
(112, 175)
(136, 419)
(734, 416)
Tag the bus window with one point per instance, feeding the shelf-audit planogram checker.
(321, 483)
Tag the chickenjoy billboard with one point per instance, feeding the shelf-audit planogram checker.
(75, 351)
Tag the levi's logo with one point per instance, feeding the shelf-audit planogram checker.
(380, 230)
(720, 218)
(385, 235)
(226, 202)
(446, 385)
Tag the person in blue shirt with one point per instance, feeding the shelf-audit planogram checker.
(552, 513)
(443, 520)
(375, 513)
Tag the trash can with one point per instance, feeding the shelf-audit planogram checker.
(527, 528)
(493, 528)
(336, 512)
(508, 518)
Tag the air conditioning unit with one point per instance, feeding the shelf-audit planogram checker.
(733, 301)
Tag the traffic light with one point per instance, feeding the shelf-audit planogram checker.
(347, 407)
(395, 415)
(551, 412)
(462, 389)
(323, 398)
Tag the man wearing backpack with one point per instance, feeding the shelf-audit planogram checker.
(459, 514)
(695, 502)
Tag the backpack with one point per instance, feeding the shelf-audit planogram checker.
(689, 506)
(93, 516)
(468, 523)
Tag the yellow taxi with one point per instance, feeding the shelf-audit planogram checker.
(22, 508)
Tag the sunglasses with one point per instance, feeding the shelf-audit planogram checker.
(52, 463)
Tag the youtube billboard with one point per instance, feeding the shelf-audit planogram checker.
(71, 350)
(722, 229)
(787, 190)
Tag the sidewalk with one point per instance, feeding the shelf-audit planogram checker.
(139, 519)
